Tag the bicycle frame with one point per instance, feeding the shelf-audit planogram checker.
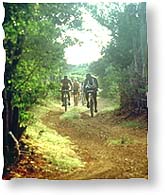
(65, 98)
(91, 101)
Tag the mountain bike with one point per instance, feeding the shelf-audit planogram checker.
(65, 98)
(91, 101)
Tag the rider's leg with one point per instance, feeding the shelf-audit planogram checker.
(62, 98)
(87, 98)
(68, 98)
(95, 99)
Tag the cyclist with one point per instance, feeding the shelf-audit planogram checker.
(66, 84)
(82, 94)
(76, 91)
(91, 83)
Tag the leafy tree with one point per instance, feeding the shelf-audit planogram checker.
(126, 55)
(34, 57)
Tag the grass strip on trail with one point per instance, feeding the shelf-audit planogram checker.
(56, 149)
(73, 113)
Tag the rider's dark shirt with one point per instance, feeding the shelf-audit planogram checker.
(66, 83)
(90, 83)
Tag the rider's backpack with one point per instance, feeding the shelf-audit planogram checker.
(91, 84)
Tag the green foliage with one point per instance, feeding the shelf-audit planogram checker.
(77, 71)
(111, 108)
(56, 149)
(122, 140)
(133, 124)
(34, 56)
(123, 69)
(108, 78)
(71, 114)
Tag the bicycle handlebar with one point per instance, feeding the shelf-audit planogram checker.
(91, 91)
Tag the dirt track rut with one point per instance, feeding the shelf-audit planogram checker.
(103, 160)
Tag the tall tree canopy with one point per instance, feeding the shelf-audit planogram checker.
(34, 58)
(123, 70)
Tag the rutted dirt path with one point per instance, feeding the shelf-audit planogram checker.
(96, 144)
(103, 160)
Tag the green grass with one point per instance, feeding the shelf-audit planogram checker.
(38, 110)
(56, 149)
(73, 113)
(110, 108)
(125, 139)
(45, 106)
(132, 124)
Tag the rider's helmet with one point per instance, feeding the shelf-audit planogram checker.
(88, 76)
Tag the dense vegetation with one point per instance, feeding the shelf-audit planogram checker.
(123, 69)
(34, 57)
(35, 40)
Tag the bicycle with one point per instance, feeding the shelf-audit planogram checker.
(65, 98)
(91, 101)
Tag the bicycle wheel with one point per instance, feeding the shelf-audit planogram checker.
(91, 106)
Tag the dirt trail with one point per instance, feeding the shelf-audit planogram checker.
(92, 137)
(103, 160)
